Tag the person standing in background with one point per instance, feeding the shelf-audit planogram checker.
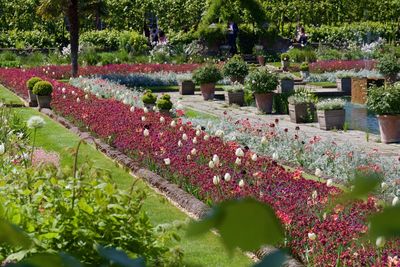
(233, 31)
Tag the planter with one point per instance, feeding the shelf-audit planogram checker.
(208, 91)
(165, 112)
(391, 79)
(302, 113)
(344, 85)
(236, 98)
(285, 65)
(43, 101)
(187, 88)
(150, 107)
(32, 99)
(287, 86)
(237, 79)
(389, 126)
(304, 74)
(359, 87)
(264, 102)
(261, 60)
(331, 119)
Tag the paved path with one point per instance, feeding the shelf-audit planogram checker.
(218, 107)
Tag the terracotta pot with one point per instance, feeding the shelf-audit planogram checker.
(236, 98)
(261, 60)
(331, 119)
(285, 65)
(32, 99)
(264, 102)
(389, 126)
(237, 79)
(187, 88)
(208, 91)
(43, 101)
(302, 113)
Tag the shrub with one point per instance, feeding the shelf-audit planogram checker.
(384, 100)
(235, 67)
(207, 74)
(212, 34)
(388, 65)
(286, 77)
(90, 56)
(304, 66)
(261, 81)
(302, 96)
(301, 55)
(164, 103)
(331, 104)
(104, 39)
(32, 81)
(43, 88)
(285, 57)
(149, 98)
(133, 42)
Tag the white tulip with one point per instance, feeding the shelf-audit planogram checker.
(193, 152)
(380, 242)
(238, 161)
(314, 194)
(198, 132)
(195, 140)
(216, 160)
(329, 182)
(227, 177)
(395, 201)
(181, 129)
(384, 186)
(211, 164)
(216, 180)
(241, 183)
(239, 152)
(318, 172)
(132, 109)
(146, 132)
(264, 140)
(154, 108)
(312, 236)
(167, 161)
(173, 124)
(219, 133)
(275, 156)
(184, 137)
(78, 100)
(162, 119)
(64, 97)
(63, 90)
(188, 157)
(180, 144)
(2, 149)
(254, 157)
(145, 110)
(86, 96)
(143, 118)
(198, 127)
(206, 137)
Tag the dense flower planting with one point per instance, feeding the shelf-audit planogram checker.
(335, 65)
(214, 170)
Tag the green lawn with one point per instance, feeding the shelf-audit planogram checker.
(204, 251)
(175, 88)
(323, 84)
(191, 113)
(8, 98)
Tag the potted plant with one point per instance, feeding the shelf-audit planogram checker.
(389, 66)
(285, 61)
(302, 106)
(164, 104)
(32, 97)
(262, 83)
(304, 70)
(186, 87)
(385, 102)
(207, 76)
(235, 94)
(236, 69)
(259, 52)
(343, 83)
(43, 90)
(286, 84)
(149, 99)
(331, 114)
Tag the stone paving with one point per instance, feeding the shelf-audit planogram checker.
(218, 107)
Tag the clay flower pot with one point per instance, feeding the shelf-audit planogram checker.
(187, 88)
(208, 91)
(331, 119)
(264, 102)
(261, 60)
(389, 126)
(32, 99)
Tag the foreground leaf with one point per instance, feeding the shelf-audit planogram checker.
(119, 258)
(386, 223)
(13, 236)
(275, 259)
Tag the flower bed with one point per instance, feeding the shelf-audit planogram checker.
(214, 170)
(335, 65)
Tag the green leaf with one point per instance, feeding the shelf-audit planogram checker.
(275, 259)
(82, 204)
(13, 236)
(386, 223)
(49, 260)
(247, 224)
(119, 258)
(49, 235)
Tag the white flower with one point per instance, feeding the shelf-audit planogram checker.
(219, 133)
(198, 127)
(241, 183)
(254, 157)
(198, 132)
(145, 110)
(194, 140)
(184, 137)
(329, 182)
(86, 96)
(380, 242)
(239, 152)
(173, 124)
(154, 108)
(216, 180)
(318, 172)
(211, 164)
(312, 236)
(275, 156)
(2, 149)
(188, 157)
(132, 109)
(314, 194)
(167, 161)
(64, 97)
(146, 132)
(238, 161)
(395, 201)
(35, 122)
(78, 100)
(193, 151)
(206, 137)
(181, 129)
(227, 177)
(216, 160)
(143, 118)
(180, 143)
(162, 119)
(384, 186)
(63, 90)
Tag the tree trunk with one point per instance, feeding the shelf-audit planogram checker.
(74, 34)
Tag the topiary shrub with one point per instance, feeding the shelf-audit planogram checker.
(285, 57)
(207, 74)
(389, 66)
(43, 88)
(261, 81)
(32, 82)
(149, 98)
(235, 67)
(164, 103)
(304, 66)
